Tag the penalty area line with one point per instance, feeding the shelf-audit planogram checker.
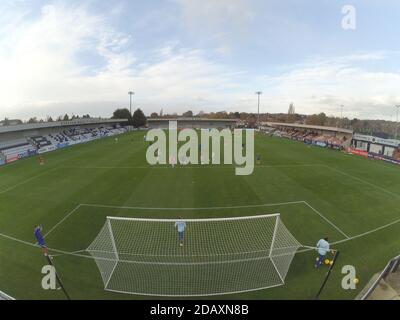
(363, 181)
(307, 248)
(62, 220)
(192, 208)
(221, 208)
(27, 180)
(327, 220)
(369, 232)
(199, 166)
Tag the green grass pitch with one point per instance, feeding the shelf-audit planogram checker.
(318, 192)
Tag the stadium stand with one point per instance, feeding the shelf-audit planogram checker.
(21, 141)
(40, 141)
(14, 153)
(11, 143)
(321, 136)
(396, 155)
(337, 138)
(195, 123)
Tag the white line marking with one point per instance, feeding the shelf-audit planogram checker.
(26, 181)
(230, 167)
(209, 166)
(363, 181)
(77, 253)
(200, 208)
(379, 163)
(369, 232)
(219, 208)
(5, 296)
(180, 263)
(266, 251)
(62, 220)
(192, 295)
(18, 240)
(164, 209)
(62, 252)
(326, 219)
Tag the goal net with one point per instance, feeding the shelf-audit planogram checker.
(214, 257)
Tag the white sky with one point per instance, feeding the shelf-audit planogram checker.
(60, 57)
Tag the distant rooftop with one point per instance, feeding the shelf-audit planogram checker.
(305, 126)
(190, 119)
(11, 122)
(42, 125)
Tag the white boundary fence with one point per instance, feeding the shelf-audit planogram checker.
(4, 296)
(392, 266)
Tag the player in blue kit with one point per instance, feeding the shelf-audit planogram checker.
(40, 239)
(181, 226)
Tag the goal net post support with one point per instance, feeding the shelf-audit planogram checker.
(212, 256)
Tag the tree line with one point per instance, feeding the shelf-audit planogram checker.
(66, 117)
(137, 119)
(380, 128)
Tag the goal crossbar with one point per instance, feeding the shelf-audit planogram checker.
(194, 220)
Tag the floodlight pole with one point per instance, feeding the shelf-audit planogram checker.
(397, 119)
(258, 93)
(340, 121)
(341, 114)
(131, 93)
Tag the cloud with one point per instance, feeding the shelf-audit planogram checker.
(42, 73)
(223, 23)
(39, 59)
(326, 84)
(43, 70)
(216, 15)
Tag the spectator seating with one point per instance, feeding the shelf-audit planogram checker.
(11, 143)
(40, 141)
(16, 149)
(308, 136)
(17, 152)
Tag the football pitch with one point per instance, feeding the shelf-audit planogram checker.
(318, 192)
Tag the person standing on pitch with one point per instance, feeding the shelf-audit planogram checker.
(323, 248)
(258, 159)
(40, 239)
(181, 226)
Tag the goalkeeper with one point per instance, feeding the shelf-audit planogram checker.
(323, 247)
(181, 226)
(40, 239)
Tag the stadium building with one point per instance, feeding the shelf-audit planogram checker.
(377, 148)
(336, 138)
(193, 123)
(24, 140)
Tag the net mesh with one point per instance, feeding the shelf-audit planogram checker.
(216, 256)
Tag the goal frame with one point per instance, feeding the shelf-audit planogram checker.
(172, 220)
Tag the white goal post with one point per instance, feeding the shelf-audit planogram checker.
(214, 257)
